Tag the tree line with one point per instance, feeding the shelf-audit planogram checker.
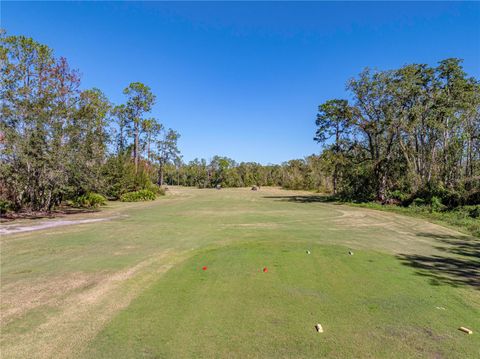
(59, 142)
(404, 134)
(413, 132)
(307, 174)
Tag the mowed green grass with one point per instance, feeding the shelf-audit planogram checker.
(368, 304)
(133, 286)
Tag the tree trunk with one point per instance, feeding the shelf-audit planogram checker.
(135, 148)
(337, 151)
(160, 175)
(381, 176)
(335, 179)
(148, 149)
(120, 142)
(382, 189)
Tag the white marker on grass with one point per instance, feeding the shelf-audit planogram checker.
(319, 328)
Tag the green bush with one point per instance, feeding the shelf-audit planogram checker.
(418, 202)
(154, 188)
(473, 198)
(5, 206)
(90, 200)
(474, 212)
(142, 195)
(436, 204)
(451, 198)
(399, 195)
(119, 175)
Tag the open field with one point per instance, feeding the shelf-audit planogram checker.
(133, 285)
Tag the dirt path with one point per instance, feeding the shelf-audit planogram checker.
(14, 228)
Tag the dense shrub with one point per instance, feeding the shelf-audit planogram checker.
(119, 175)
(398, 195)
(474, 212)
(418, 202)
(90, 200)
(357, 185)
(142, 195)
(436, 204)
(451, 198)
(154, 188)
(5, 206)
(473, 198)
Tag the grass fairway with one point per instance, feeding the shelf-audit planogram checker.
(368, 303)
(133, 286)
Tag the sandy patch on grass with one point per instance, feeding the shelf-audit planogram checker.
(363, 217)
(250, 225)
(14, 228)
(24, 295)
(89, 303)
(393, 232)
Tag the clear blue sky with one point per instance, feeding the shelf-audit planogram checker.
(245, 79)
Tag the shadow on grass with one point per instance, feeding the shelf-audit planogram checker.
(304, 199)
(460, 266)
(60, 212)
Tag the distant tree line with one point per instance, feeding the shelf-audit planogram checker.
(60, 143)
(306, 173)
